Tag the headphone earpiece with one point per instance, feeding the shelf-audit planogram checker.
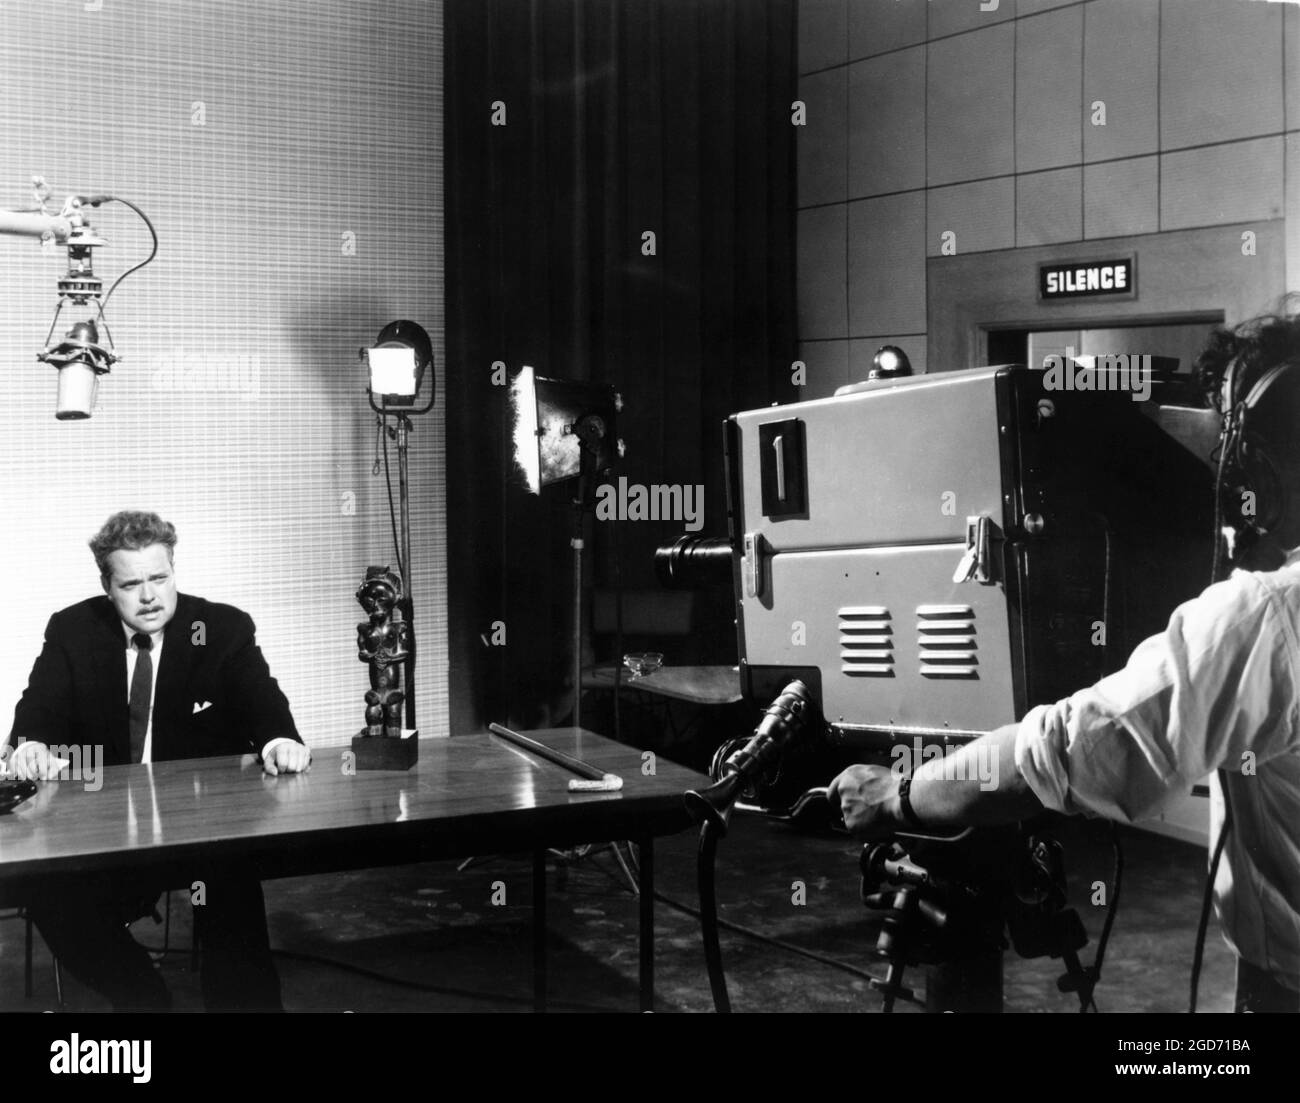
(1239, 499)
(1261, 497)
(1250, 489)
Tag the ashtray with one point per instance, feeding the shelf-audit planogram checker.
(641, 663)
(14, 792)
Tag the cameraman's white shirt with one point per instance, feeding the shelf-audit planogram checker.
(1218, 689)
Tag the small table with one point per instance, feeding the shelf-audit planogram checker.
(700, 685)
(470, 794)
(703, 687)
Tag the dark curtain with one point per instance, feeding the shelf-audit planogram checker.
(621, 117)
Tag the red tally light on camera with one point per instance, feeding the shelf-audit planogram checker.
(889, 361)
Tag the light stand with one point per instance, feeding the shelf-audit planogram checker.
(565, 430)
(578, 543)
(590, 430)
(397, 364)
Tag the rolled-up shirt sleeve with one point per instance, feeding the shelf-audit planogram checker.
(1216, 689)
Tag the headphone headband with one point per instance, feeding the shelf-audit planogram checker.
(1263, 383)
(1245, 465)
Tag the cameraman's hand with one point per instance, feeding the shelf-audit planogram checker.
(867, 797)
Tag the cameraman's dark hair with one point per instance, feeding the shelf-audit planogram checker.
(130, 530)
(1256, 345)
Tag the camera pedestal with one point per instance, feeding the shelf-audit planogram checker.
(377, 752)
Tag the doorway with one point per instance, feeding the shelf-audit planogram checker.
(1181, 341)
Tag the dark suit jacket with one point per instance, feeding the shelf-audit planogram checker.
(77, 693)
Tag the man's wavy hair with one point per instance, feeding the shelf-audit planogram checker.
(1255, 345)
(130, 530)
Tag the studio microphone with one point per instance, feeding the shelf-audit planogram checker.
(782, 722)
(78, 354)
(80, 360)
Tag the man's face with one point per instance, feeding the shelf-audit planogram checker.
(142, 587)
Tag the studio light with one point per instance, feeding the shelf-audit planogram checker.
(566, 430)
(397, 364)
(563, 429)
(396, 367)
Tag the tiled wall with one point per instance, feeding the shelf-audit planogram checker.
(926, 118)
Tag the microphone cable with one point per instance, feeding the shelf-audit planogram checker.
(94, 201)
(1227, 443)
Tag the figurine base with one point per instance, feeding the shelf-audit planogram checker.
(382, 753)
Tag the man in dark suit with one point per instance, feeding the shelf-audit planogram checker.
(148, 675)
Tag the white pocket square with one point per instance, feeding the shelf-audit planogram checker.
(199, 706)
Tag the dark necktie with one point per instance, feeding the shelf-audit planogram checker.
(141, 692)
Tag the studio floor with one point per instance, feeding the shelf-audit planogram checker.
(431, 938)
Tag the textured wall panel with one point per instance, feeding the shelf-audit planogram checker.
(257, 137)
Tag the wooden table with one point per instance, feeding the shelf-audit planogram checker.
(467, 795)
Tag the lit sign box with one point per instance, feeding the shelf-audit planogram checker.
(1088, 279)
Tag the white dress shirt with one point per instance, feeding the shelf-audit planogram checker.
(1219, 689)
(132, 654)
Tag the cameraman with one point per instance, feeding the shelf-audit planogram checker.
(1217, 693)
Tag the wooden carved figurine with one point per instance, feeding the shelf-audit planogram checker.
(383, 641)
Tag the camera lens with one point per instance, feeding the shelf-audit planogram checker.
(694, 562)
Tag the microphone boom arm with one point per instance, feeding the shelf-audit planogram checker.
(34, 224)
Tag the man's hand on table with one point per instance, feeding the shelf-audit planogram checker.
(33, 761)
(286, 756)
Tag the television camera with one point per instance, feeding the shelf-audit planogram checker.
(917, 561)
